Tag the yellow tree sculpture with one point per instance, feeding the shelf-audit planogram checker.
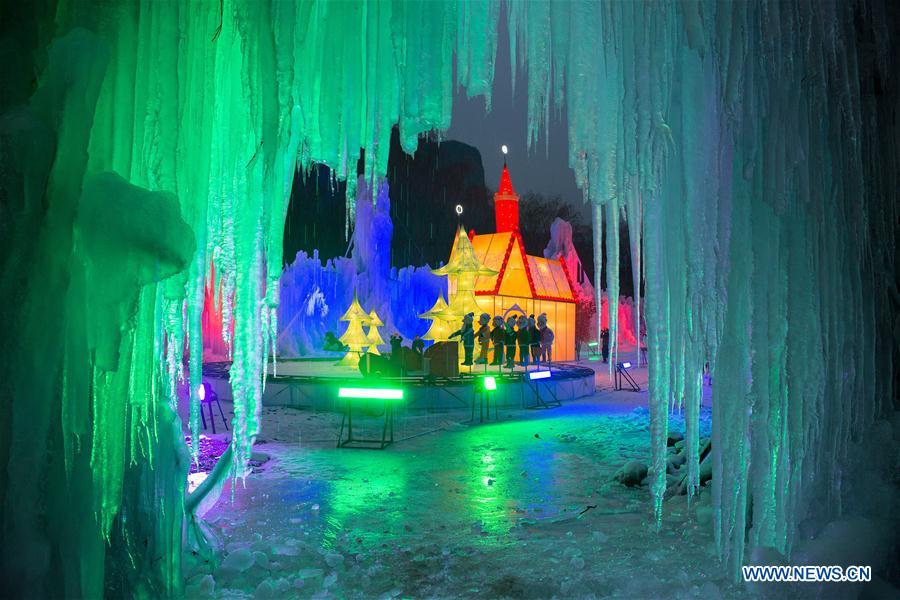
(461, 270)
(440, 329)
(354, 337)
(374, 337)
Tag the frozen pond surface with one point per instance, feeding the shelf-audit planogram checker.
(522, 508)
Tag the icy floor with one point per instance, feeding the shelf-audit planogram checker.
(519, 508)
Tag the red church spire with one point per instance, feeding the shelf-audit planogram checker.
(506, 204)
(506, 186)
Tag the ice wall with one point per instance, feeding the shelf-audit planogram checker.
(561, 246)
(371, 247)
(315, 293)
(740, 137)
(82, 422)
(754, 146)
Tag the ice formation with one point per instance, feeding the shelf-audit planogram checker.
(738, 138)
(314, 293)
(628, 319)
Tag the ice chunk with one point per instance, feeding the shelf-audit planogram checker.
(265, 590)
(207, 587)
(238, 561)
(334, 559)
(261, 559)
(631, 474)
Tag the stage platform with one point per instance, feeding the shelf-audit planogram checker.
(313, 383)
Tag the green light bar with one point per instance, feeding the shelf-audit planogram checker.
(371, 393)
(593, 358)
(490, 384)
(593, 344)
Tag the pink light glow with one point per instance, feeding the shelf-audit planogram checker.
(626, 320)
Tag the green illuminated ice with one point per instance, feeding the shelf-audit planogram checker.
(144, 141)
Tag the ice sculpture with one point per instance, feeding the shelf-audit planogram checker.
(313, 294)
(751, 146)
(373, 337)
(440, 329)
(371, 245)
(562, 246)
(354, 337)
(309, 287)
(461, 270)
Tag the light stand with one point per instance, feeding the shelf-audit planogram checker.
(622, 375)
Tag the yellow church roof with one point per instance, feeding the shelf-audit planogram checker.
(518, 273)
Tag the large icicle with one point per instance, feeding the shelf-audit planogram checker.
(753, 160)
(634, 218)
(612, 277)
(657, 342)
(597, 222)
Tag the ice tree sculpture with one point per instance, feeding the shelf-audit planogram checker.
(440, 329)
(373, 337)
(354, 337)
(461, 271)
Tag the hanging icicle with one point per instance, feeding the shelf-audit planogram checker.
(740, 139)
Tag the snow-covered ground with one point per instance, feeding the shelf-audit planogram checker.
(525, 507)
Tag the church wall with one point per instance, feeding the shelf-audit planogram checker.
(560, 318)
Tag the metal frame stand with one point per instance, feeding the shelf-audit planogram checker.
(535, 384)
(621, 375)
(387, 431)
(483, 398)
(212, 419)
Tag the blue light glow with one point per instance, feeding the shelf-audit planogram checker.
(539, 375)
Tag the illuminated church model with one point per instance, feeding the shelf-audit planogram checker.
(518, 283)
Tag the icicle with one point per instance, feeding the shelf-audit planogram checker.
(634, 220)
(612, 278)
(730, 443)
(195, 348)
(695, 175)
(142, 380)
(657, 342)
(597, 216)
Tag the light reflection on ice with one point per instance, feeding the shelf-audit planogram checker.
(433, 514)
(195, 479)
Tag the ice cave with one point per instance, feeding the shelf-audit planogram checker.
(450, 299)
